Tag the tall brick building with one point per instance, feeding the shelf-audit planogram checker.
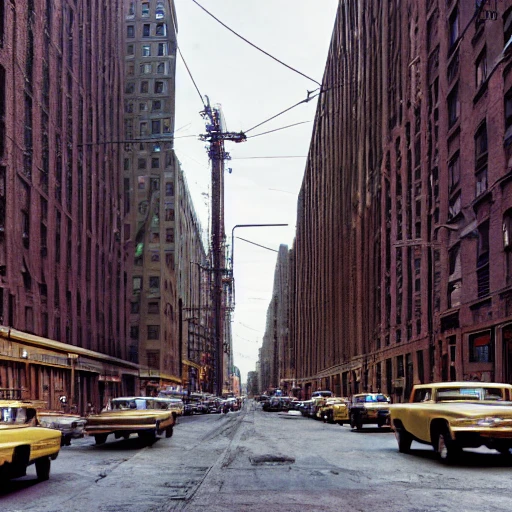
(62, 273)
(168, 337)
(401, 270)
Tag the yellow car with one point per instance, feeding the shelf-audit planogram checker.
(326, 411)
(367, 408)
(341, 412)
(451, 416)
(143, 416)
(22, 443)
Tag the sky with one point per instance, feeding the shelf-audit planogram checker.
(251, 87)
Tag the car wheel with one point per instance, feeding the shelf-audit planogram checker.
(404, 440)
(169, 431)
(43, 468)
(447, 449)
(340, 423)
(100, 438)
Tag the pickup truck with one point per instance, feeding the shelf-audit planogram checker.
(22, 443)
(451, 416)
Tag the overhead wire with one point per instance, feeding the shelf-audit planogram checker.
(254, 46)
(278, 129)
(190, 75)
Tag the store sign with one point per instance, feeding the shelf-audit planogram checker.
(109, 378)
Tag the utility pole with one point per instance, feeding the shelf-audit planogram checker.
(215, 135)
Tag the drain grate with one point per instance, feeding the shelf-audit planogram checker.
(271, 460)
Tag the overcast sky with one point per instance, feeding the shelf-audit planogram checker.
(251, 87)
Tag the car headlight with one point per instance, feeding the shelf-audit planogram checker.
(489, 422)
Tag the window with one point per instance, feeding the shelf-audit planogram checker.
(144, 86)
(145, 69)
(146, 30)
(146, 50)
(145, 9)
(169, 236)
(155, 163)
(508, 113)
(134, 308)
(137, 284)
(144, 128)
(481, 347)
(155, 126)
(128, 107)
(141, 182)
(130, 69)
(143, 106)
(160, 68)
(480, 143)
(159, 11)
(141, 165)
(454, 171)
(507, 26)
(169, 213)
(507, 230)
(156, 148)
(154, 282)
(153, 308)
(130, 31)
(166, 125)
(482, 263)
(157, 105)
(453, 28)
(131, 9)
(169, 188)
(481, 181)
(162, 49)
(130, 50)
(453, 106)
(454, 206)
(481, 68)
(161, 29)
(159, 87)
(134, 331)
(130, 88)
(153, 358)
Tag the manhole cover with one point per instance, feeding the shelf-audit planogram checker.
(270, 460)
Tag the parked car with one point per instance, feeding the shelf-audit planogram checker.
(368, 408)
(451, 416)
(326, 411)
(22, 443)
(72, 426)
(131, 415)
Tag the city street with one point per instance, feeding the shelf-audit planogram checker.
(255, 460)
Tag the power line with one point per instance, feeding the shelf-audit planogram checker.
(254, 243)
(253, 45)
(259, 157)
(169, 138)
(190, 75)
(309, 98)
(278, 129)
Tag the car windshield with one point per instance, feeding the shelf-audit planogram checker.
(469, 393)
(13, 415)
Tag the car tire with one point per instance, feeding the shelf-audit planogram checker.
(447, 450)
(404, 440)
(100, 438)
(169, 431)
(43, 466)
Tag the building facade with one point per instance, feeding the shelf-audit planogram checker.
(62, 271)
(401, 266)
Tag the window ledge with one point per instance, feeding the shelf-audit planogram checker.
(484, 197)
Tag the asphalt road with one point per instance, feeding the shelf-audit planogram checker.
(258, 461)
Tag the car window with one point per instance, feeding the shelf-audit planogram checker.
(422, 395)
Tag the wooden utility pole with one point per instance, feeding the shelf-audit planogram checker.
(215, 136)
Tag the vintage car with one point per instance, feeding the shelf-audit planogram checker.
(72, 426)
(326, 411)
(144, 416)
(368, 408)
(451, 416)
(22, 443)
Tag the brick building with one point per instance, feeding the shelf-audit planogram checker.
(62, 274)
(401, 270)
(169, 324)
